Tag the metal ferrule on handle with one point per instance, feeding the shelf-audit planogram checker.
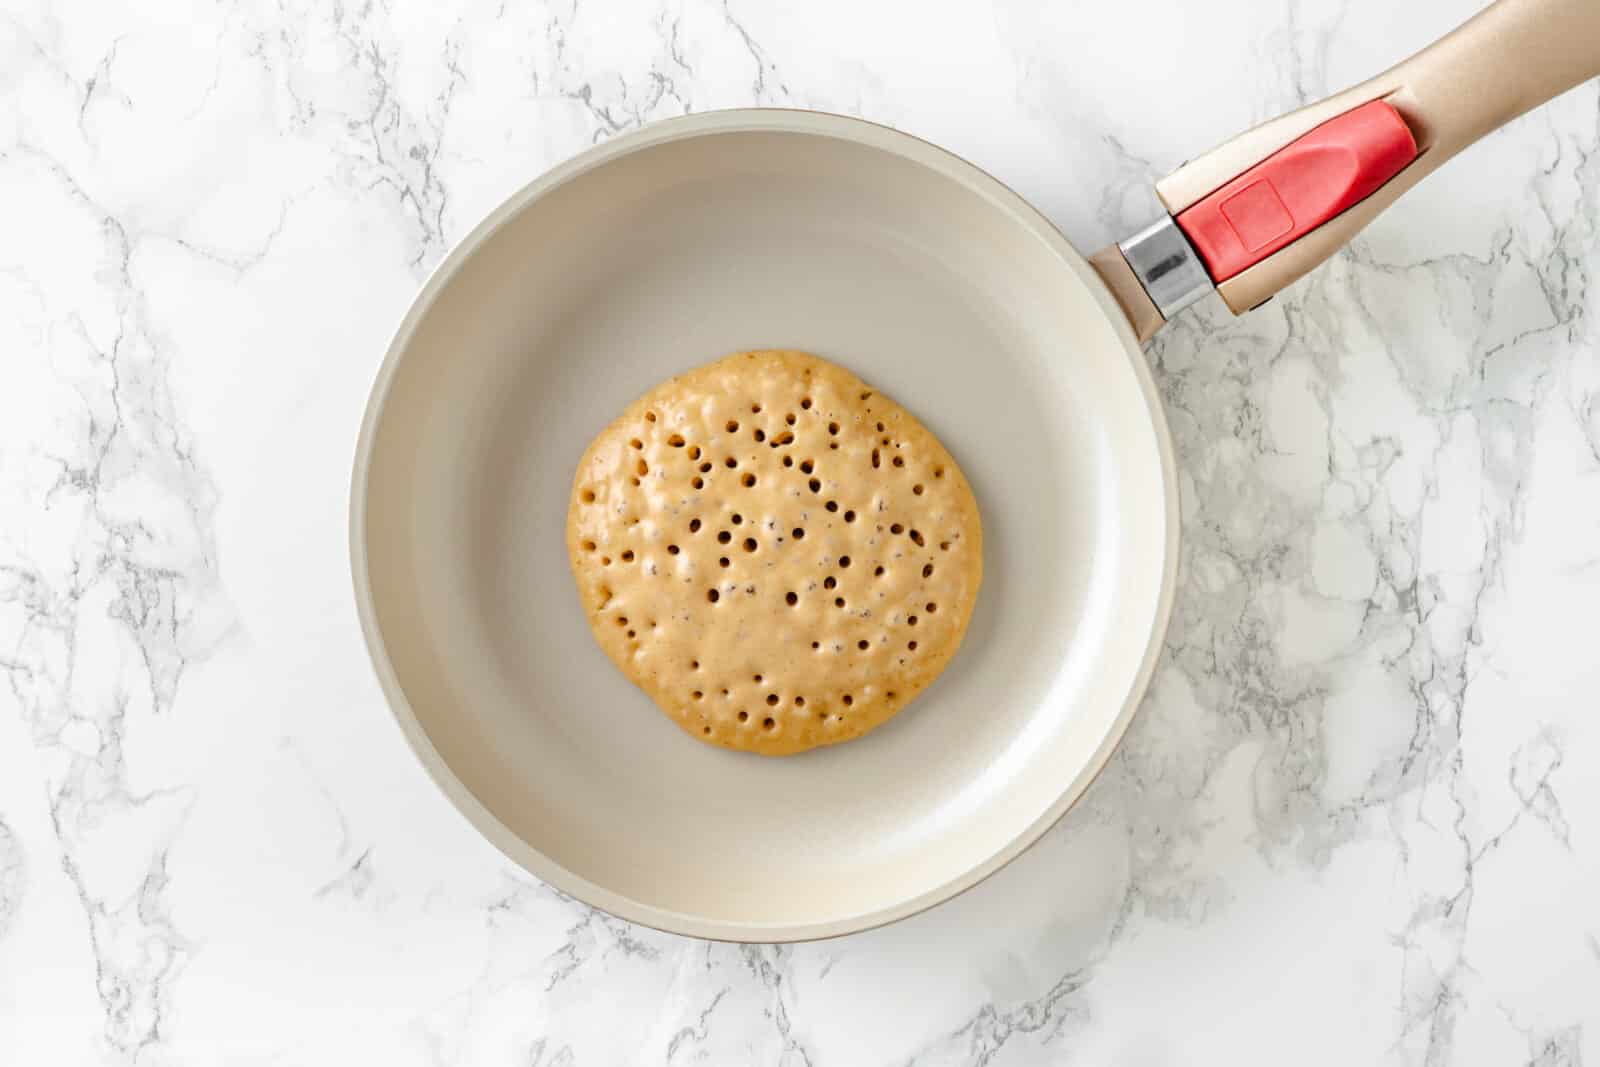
(1167, 266)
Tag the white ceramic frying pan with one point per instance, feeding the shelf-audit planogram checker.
(693, 238)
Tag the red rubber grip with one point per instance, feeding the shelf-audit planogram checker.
(1298, 188)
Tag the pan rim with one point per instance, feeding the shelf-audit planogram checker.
(750, 120)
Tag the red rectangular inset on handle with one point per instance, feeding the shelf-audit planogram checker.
(1298, 188)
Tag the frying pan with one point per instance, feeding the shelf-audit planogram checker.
(695, 237)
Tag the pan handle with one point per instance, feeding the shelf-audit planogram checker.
(1255, 213)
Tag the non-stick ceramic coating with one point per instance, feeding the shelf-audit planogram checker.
(667, 248)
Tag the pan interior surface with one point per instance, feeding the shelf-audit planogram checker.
(647, 258)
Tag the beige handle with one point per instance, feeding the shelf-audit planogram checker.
(1513, 56)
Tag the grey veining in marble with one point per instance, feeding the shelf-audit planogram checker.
(1356, 821)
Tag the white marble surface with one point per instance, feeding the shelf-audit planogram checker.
(1357, 820)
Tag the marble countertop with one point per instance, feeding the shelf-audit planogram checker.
(1356, 821)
